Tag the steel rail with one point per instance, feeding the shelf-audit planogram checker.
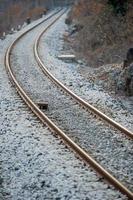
(72, 94)
(45, 120)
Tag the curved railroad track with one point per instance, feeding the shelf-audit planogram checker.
(79, 100)
(28, 100)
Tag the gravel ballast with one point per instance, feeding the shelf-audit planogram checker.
(120, 109)
(107, 145)
(34, 165)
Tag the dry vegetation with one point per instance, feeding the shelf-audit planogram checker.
(15, 12)
(105, 36)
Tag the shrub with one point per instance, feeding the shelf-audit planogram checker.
(119, 6)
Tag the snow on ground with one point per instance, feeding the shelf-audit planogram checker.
(74, 121)
(33, 163)
(74, 76)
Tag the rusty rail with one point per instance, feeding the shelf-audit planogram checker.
(82, 154)
(73, 95)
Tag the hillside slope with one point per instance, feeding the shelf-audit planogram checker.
(105, 36)
(100, 37)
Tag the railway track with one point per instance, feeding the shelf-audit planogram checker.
(32, 104)
(79, 100)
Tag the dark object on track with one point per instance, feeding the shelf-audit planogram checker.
(42, 105)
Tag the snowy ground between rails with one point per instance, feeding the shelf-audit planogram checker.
(71, 74)
(33, 163)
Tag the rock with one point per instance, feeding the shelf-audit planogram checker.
(1, 181)
(16, 168)
(68, 21)
(42, 184)
(28, 20)
(19, 27)
(125, 80)
(11, 31)
(75, 28)
(80, 62)
(3, 36)
(70, 83)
